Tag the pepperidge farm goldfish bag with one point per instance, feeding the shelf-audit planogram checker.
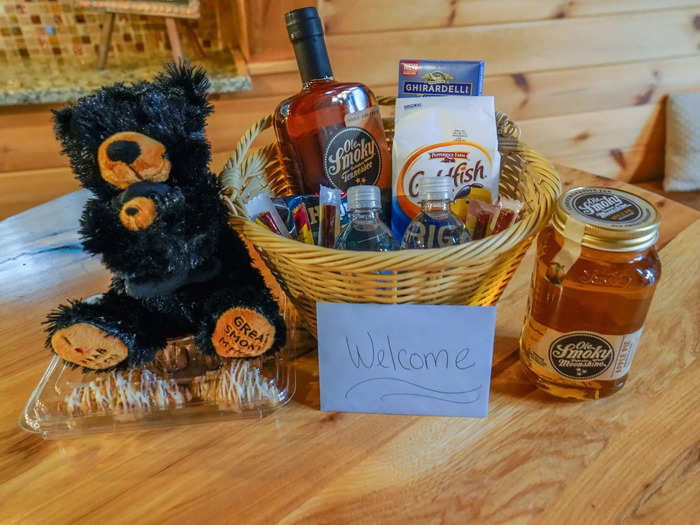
(451, 136)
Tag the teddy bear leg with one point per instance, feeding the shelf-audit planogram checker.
(241, 323)
(103, 332)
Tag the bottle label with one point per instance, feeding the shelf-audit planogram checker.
(352, 157)
(581, 355)
(433, 235)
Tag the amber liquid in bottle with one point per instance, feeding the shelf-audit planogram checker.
(331, 132)
(603, 292)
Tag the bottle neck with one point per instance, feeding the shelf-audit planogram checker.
(317, 82)
(312, 59)
(436, 205)
(365, 214)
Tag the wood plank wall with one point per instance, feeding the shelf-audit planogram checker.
(585, 79)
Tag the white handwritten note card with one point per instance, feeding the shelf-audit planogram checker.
(405, 359)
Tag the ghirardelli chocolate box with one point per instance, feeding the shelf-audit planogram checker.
(434, 78)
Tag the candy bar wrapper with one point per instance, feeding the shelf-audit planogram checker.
(507, 213)
(479, 217)
(460, 205)
(434, 78)
(310, 203)
(329, 216)
(300, 218)
(261, 209)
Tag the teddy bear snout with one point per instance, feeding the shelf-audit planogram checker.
(139, 204)
(129, 157)
(138, 213)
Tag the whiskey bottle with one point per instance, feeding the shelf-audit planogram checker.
(330, 133)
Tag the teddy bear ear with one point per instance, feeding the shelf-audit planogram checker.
(62, 121)
(189, 80)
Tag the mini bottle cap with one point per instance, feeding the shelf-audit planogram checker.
(607, 219)
(435, 188)
(364, 196)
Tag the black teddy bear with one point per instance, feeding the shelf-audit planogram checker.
(158, 223)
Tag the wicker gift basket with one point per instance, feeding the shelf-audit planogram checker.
(475, 273)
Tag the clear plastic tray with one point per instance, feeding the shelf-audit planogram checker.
(181, 387)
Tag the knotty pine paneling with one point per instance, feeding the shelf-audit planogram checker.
(365, 16)
(523, 47)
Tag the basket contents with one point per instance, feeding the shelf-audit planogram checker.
(453, 137)
(353, 221)
(331, 139)
(449, 143)
(366, 231)
(431, 78)
(436, 226)
(330, 133)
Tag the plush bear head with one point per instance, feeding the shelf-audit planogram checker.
(156, 217)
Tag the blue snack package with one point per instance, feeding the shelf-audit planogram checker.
(435, 78)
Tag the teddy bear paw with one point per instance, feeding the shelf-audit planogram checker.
(242, 332)
(87, 345)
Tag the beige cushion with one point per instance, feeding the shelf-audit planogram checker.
(682, 171)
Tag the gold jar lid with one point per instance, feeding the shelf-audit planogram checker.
(607, 219)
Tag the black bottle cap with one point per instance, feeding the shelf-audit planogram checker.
(303, 23)
(306, 34)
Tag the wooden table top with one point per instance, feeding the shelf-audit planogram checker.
(634, 455)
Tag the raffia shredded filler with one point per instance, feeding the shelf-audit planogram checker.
(237, 385)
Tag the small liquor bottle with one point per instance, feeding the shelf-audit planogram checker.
(330, 133)
(435, 226)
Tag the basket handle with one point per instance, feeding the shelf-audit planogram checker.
(245, 141)
(247, 173)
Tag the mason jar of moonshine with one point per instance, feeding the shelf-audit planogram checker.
(594, 278)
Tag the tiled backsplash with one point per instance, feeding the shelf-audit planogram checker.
(57, 30)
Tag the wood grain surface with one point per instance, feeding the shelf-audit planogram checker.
(633, 457)
(362, 16)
